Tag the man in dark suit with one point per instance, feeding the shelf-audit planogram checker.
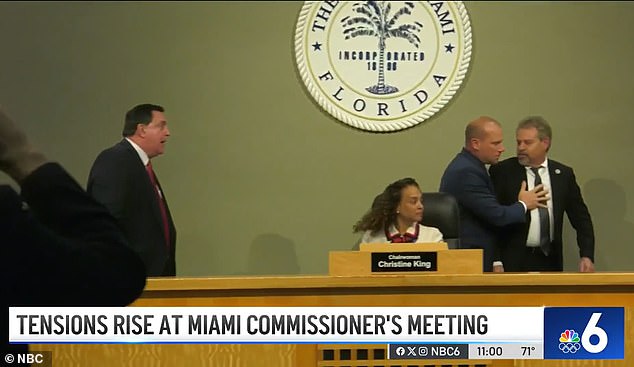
(64, 249)
(123, 180)
(520, 246)
(466, 178)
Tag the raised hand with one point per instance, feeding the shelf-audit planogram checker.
(18, 158)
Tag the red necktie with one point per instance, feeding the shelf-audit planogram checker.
(161, 203)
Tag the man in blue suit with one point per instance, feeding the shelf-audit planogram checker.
(467, 179)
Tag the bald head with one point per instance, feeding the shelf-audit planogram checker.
(483, 138)
(478, 128)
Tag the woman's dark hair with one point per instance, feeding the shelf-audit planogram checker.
(383, 210)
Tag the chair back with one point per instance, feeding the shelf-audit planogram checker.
(442, 211)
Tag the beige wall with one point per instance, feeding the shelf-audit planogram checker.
(259, 178)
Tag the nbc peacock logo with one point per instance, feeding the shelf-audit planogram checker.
(569, 341)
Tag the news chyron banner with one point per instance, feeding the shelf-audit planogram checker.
(410, 332)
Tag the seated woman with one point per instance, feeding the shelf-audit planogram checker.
(395, 216)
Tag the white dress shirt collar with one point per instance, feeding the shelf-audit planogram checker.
(395, 232)
(144, 158)
(543, 164)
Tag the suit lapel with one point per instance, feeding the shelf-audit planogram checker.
(557, 187)
(142, 178)
(520, 174)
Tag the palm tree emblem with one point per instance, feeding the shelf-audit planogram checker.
(374, 19)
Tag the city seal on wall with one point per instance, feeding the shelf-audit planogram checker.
(383, 65)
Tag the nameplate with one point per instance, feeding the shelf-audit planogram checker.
(404, 261)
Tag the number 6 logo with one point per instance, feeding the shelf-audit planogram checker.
(593, 329)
